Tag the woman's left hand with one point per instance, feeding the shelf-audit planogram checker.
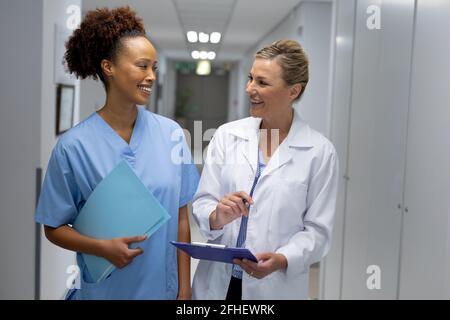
(268, 262)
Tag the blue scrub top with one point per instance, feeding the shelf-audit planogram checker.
(83, 157)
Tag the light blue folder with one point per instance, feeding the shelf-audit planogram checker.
(120, 206)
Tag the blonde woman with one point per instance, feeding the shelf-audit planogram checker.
(269, 184)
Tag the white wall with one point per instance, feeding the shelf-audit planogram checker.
(92, 97)
(27, 124)
(166, 105)
(233, 100)
(315, 37)
(344, 18)
(20, 106)
(54, 260)
(238, 99)
(310, 24)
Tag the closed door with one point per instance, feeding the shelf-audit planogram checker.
(205, 99)
(377, 144)
(425, 259)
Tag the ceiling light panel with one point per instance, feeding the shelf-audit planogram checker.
(203, 37)
(207, 17)
(211, 55)
(192, 36)
(215, 37)
(195, 55)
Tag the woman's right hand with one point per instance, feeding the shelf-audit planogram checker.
(229, 208)
(117, 250)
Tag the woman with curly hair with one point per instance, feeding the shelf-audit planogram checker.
(112, 45)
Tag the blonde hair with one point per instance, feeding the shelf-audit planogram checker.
(292, 59)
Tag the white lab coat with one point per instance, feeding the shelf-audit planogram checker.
(293, 213)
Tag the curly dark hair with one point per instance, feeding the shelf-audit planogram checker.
(100, 37)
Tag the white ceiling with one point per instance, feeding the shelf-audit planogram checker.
(241, 22)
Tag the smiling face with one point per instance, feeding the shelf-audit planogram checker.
(132, 74)
(269, 95)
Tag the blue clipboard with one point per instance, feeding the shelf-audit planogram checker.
(212, 252)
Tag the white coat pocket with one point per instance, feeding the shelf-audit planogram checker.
(289, 205)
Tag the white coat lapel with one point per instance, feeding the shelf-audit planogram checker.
(247, 145)
(298, 137)
(282, 155)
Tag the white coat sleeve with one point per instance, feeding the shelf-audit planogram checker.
(208, 193)
(312, 244)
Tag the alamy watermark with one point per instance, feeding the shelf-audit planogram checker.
(374, 279)
(235, 147)
(73, 280)
(373, 21)
(74, 19)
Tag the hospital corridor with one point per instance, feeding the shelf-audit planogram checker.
(377, 96)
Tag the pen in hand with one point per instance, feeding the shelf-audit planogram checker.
(247, 205)
(229, 208)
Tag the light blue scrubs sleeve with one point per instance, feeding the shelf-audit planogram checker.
(59, 196)
(189, 177)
